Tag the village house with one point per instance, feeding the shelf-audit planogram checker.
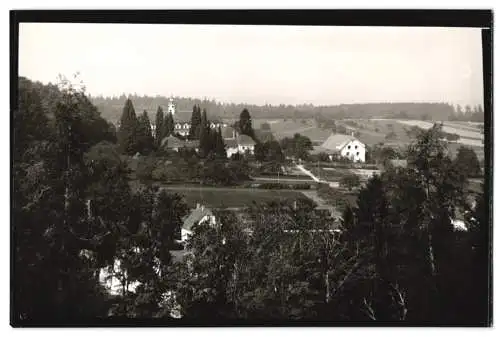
(174, 143)
(344, 146)
(197, 216)
(240, 144)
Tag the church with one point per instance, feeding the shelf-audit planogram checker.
(235, 143)
(182, 126)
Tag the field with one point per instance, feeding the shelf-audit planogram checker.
(230, 197)
(287, 128)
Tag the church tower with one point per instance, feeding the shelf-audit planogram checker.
(171, 106)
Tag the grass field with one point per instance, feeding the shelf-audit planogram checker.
(232, 198)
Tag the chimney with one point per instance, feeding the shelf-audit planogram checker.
(202, 207)
(197, 205)
(352, 133)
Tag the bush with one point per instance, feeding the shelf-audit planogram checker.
(350, 181)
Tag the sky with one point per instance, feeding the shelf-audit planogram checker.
(260, 64)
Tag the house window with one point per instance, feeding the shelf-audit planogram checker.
(356, 147)
(357, 153)
(349, 147)
(347, 153)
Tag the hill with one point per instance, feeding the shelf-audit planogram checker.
(110, 108)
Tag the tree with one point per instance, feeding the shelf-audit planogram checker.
(265, 126)
(298, 146)
(169, 124)
(159, 127)
(467, 162)
(205, 136)
(53, 258)
(245, 123)
(127, 133)
(220, 146)
(195, 127)
(350, 181)
(145, 138)
(452, 137)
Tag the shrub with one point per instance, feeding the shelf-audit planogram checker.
(350, 181)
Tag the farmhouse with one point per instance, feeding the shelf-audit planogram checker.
(174, 143)
(344, 146)
(198, 215)
(240, 144)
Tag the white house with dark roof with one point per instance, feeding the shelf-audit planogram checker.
(197, 216)
(344, 146)
(241, 144)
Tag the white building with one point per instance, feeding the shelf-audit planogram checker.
(197, 216)
(171, 106)
(240, 144)
(344, 146)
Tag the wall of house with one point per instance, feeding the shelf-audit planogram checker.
(230, 151)
(244, 148)
(185, 234)
(355, 150)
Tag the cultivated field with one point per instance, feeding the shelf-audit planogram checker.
(231, 197)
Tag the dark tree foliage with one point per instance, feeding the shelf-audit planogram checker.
(76, 182)
(467, 163)
(269, 151)
(195, 128)
(159, 127)
(128, 131)
(297, 147)
(245, 123)
(206, 137)
(220, 146)
(145, 138)
(350, 181)
(169, 124)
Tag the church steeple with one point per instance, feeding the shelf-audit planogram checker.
(171, 106)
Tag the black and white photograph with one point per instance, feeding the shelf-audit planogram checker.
(219, 168)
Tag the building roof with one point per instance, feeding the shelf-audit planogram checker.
(231, 142)
(245, 140)
(195, 216)
(172, 142)
(337, 141)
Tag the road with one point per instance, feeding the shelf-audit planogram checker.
(333, 184)
(219, 189)
(287, 180)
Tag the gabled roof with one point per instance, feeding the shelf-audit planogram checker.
(245, 140)
(195, 216)
(337, 141)
(172, 142)
(231, 142)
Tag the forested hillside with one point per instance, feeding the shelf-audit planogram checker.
(111, 109)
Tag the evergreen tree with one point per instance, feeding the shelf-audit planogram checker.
(145, 135)
(205, 136)
(159, 127)
(245, 123)
(467, 162)
(220, 146)
(169, 124)
(194, 129)
(129, 125)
